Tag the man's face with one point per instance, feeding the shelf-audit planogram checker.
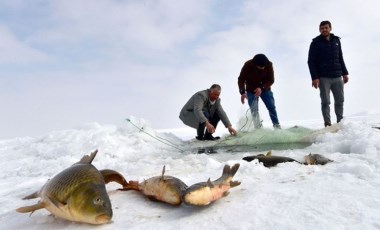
(214, 95)
(325, 30)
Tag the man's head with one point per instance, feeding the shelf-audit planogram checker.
(325, 28)
(260, 60)
(214, 92)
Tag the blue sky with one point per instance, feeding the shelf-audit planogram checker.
(65, 63)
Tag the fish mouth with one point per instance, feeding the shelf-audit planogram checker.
(102, 219)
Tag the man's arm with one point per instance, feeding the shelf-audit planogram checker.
(199, 101)
(312, 61)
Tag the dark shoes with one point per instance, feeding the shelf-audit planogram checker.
(200, 138)
(327, 124)
(207, 138)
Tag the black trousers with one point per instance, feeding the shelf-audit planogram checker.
(214, 120)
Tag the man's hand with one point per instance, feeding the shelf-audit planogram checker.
(345, 79)
(210, 128)
(315, 83)
(243, 97)
(257, 92)
(232, 130)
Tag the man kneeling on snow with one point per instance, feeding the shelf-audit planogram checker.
(203, 110)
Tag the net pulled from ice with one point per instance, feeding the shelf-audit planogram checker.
(296, 134)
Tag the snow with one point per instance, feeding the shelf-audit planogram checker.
(343, 194)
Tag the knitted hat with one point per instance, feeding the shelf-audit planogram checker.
(260, 60)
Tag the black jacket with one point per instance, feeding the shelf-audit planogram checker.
(326, 58)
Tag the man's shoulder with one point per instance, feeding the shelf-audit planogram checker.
(317, 38)
(248, 63)
(333, 36)
(202, 93)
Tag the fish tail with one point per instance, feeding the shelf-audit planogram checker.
(229, 171)
(249, 158)
(131, 185)
(110, 175)
(234, 169)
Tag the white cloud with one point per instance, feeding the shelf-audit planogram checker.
(14, 50)
(157, 25)
(146, 58)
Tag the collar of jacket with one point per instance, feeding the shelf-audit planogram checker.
(321, 38)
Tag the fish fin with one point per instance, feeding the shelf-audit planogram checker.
(87, 159)
(234, 183)
(209, 183)
(269, 153)
(31, 208)
(32, 196)
(163, 172)
(153, 198)
(131, 185)
(110, 175)
(226, 193)
(56, 202)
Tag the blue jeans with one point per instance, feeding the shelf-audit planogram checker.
(268, 99)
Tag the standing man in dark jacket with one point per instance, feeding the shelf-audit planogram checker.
(327, 67)
(203, 110)
(255, 80)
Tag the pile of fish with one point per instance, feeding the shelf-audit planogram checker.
(174, 191)
(78, 193)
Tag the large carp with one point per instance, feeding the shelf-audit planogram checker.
(162, 188)
(78, 193)
(204, 193)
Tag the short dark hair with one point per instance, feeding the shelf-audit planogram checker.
(216, 86)
(325, 23)
(260, 60)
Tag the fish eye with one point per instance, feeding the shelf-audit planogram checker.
(98, 200)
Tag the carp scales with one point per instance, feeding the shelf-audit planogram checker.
(268, 160)
(162, 188)
(204, 193)
(78, 193)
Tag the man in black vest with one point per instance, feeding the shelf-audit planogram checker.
(327, 67)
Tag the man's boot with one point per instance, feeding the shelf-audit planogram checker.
(209, 137)
(200, 132)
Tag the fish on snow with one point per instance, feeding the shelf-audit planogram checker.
(77, 193)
